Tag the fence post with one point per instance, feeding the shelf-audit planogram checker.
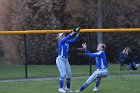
(100, 21)
(25, 56)
(89, 59)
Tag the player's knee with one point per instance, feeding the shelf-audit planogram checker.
(63, 75)
(61, 78)
(68, 75)
(104, 75)
(98, 75)
(98, 78)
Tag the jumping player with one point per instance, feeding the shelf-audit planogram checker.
(101, 65)
(62, 59)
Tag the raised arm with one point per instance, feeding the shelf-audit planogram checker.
(67, 37)
(75, 30)
(75, 38)
(84, 45)
(94, 54)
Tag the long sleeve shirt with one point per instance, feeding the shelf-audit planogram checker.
(100, 57)
(63, 45)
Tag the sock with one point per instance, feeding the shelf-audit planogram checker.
(61, 81)
(83, 87)
(98, 79)
(68, 82)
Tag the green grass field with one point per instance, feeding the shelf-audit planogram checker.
(108, 85)
(37, 71)
(127, 84)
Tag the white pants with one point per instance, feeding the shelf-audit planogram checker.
(63, 67)
(97, 73)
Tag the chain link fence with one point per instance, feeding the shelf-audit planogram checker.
(36, 57)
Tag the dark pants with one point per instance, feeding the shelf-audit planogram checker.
(132, 65)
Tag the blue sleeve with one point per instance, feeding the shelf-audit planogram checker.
(87, 51)
(66, 38)
(73, 40)
(121, 55)
(93, 54)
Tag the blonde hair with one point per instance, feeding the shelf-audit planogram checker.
(59, 35)
(103, 46)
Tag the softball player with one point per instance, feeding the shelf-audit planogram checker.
(101, 65)
(62, 60)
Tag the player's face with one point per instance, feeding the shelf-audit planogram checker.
(63, 35)
(99, 47)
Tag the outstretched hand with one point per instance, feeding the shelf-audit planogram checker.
(76, 29)
(84, 45)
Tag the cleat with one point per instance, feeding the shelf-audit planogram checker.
(61, 90)
(95, 89)
(68, 89)
(77, 91)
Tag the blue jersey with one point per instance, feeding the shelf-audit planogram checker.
(63, 45)
(100, 57)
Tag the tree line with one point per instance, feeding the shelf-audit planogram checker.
(64, 14)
